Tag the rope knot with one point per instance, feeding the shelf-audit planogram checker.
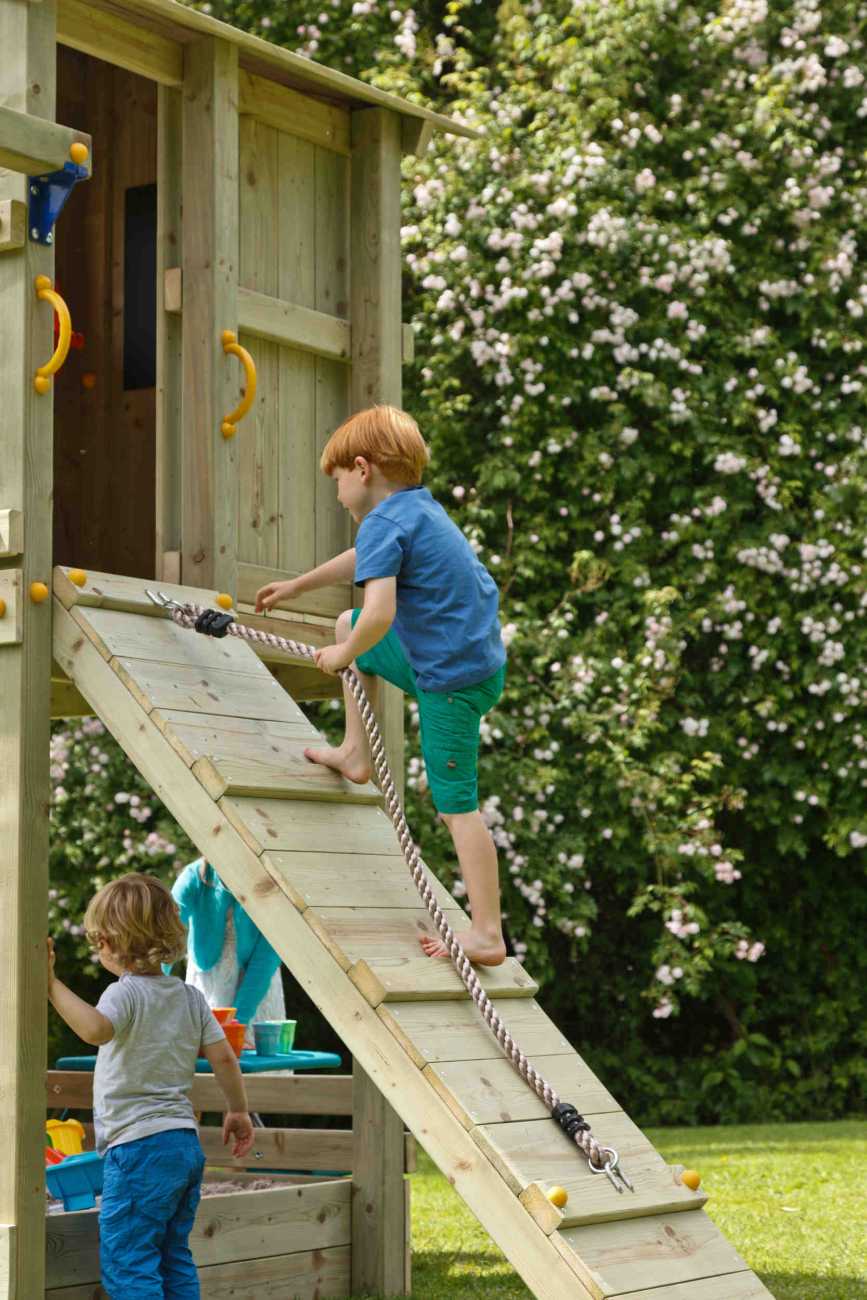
(570, 1121)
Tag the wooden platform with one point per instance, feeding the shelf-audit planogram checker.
(315, 862)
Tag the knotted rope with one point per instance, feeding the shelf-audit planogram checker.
(601, 1159)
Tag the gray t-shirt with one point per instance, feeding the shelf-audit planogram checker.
(144, 1075)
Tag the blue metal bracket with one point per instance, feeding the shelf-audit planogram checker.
(48, 195)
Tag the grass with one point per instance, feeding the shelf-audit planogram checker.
(791, 1198)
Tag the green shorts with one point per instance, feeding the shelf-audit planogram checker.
(448, 720)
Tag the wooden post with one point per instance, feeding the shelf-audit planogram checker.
(380, 1205)
(211, 381)
(27, 84)
(380, 1228)
(375, 312)
(169, 424)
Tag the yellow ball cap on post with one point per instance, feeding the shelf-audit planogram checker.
(38, 592)
(224, 600)
(557, 1196)
(691, 1178)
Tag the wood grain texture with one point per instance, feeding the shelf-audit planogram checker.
(379, 1206)
(298, 115)
(139, 636)
(495, 1093)
(209, 542)
(269, 317)
(454, 1031)
(268, 1094)
(282, 824)
(106, 35)
(169, 361)
(657, 1251)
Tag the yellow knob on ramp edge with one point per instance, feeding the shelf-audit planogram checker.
(691, 1178)
(78, 576)
(38, 592)
(79, 152)
(224, 600)
(557, 1196)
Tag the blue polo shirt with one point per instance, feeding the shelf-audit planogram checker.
(446, 599)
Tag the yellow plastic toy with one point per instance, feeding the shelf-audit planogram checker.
(65, 1135)
(79, 152)
(45, 293)
(691, 1178)
(38, 592)
(224, 600)
(232, 347)
(557, 1196)
(78, 576)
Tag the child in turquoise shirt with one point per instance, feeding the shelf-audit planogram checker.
(428, 625)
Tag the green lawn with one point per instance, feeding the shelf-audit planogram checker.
(791, 1197)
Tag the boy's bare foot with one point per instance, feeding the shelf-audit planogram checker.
(480, 950)
(350, 763)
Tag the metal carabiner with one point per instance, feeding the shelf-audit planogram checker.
(162, 600)
(612, 1170)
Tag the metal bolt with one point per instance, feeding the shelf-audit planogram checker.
(34, 189)
(34, 233)
(49, 238)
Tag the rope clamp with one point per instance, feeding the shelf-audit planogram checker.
(612, 1170)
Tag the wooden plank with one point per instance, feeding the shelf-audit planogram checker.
(194, 735)
(121, 635)
(11, 532)
(381, 951)
(324, 880)
(284, 1148)
(228, 693)
(275, 1094)
(299, 115)
(378, 1200)
(298, 465)
(657, 1251)
(282, 824)
(27, 84)
(236, 1226)
(13, 226)
(732, 1286)
(8, 1286)
(306, 683)
(363, 1030)
(169, 429)
(329, 601)
(307, 1275)
(258, 272)
(536, 1151)
(34, 145)
(454, 1031)
(277, 771)
(333, 524)
(108, 36)
(270, 317)
(117, 591)
(497, 1093)
(209, 521)
(12, 605)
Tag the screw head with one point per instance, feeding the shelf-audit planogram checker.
(34, 233)
(49, 238)
(34, 189)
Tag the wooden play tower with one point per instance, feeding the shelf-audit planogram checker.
(221, 217)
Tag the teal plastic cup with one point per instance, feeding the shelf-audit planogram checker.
(287, 1035)
(266, 1036)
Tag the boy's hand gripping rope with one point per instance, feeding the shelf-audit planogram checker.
(601, 1159)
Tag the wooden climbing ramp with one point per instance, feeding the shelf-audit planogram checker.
(315, 862)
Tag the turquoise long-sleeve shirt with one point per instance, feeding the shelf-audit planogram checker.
(204, 906)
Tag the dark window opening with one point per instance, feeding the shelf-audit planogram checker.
(140, 288)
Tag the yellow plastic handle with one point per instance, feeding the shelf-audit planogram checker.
(45, 293)
(231, 345)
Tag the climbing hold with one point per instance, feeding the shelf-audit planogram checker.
(41, 384)
(557, 1196)
(78, 576)
(691, 1178)
(38, 592)
(79, 152)
(2, 607)
(224, 600)
(88, 380)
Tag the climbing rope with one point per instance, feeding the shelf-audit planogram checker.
(601, 1159)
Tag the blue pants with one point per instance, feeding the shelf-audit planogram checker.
(151, 1190)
